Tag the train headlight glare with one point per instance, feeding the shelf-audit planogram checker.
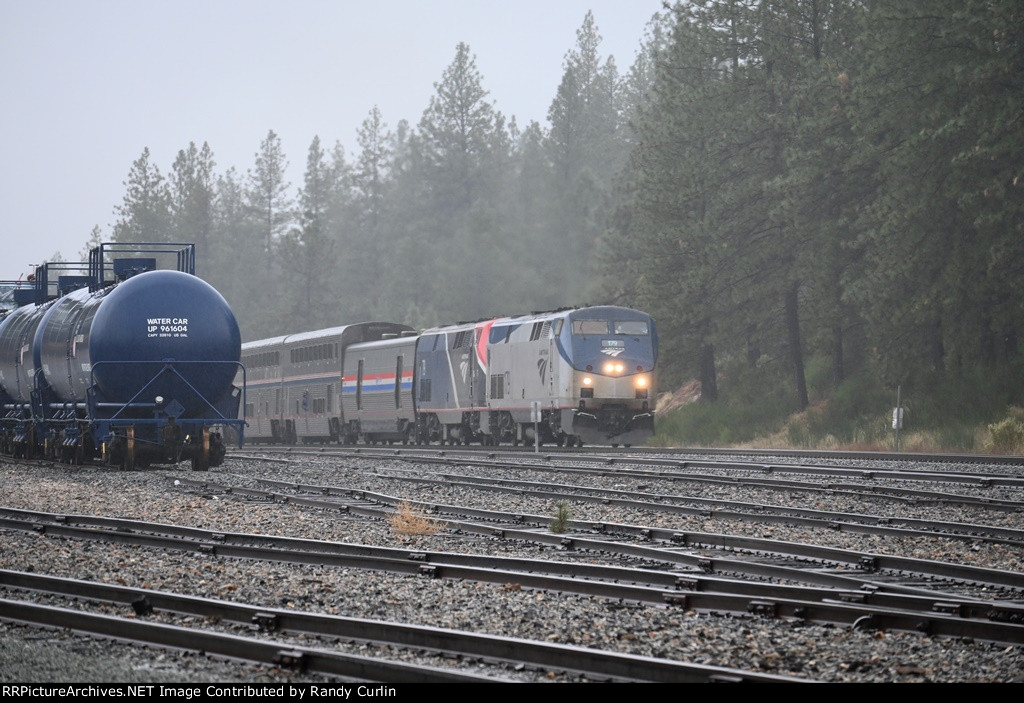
(619, 368)
(587, 380)
(609, 367)
(641, 382)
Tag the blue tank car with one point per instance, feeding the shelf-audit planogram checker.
(126, 363)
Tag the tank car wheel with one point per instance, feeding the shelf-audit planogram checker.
(30, 444)
(201, 452)
(128, 458)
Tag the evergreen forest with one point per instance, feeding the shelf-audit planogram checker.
(819, 201)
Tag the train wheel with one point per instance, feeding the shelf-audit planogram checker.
(128, 450)
(201, 454)
(30, 444)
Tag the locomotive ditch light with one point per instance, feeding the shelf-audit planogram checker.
(587, 380)
(641, 382)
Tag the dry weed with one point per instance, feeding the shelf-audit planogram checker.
(409, 520)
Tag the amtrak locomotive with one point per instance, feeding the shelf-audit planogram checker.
(574, 376)
(122, 362)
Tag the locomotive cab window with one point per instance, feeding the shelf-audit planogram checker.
(590, 326)
(631, 327)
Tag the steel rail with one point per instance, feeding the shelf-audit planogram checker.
(304, 551)
(862, 560)
(753, 512)
(856, 490)
(747, 460)
(905, 495)
(595, 664)
(888, 611)
(756, 468)
(284, 655)
(937, 458)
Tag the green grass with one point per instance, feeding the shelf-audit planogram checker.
(971, 412)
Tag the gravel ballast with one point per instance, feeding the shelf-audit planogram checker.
(813, 652)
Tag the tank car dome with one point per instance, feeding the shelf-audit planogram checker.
(157, 316)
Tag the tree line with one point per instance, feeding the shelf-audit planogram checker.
(832, 182)
(462, 215)
(788, 186)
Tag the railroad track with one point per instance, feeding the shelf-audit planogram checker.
(575, 663)
(707, 454)
(692, 576)
(844, 599)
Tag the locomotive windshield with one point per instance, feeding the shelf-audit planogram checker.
(590, 326)
(634, 327)
(625, 327)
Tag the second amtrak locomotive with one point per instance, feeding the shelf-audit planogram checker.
(579, 376)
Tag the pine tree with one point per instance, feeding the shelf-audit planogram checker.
(458, 133)
(95, 239)
(144, 215)
(267, 196)
(191, 191)
(586, 150)
(308, 254)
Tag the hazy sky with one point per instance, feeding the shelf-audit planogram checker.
(87, 84)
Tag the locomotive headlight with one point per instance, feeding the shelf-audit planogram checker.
(619, 368)
(609, 367)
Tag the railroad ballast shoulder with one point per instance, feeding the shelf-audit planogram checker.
(584, 375)
(121, 361)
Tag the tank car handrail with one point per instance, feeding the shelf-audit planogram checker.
(98, 266)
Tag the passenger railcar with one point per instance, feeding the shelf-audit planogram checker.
(126, 362)
(295, 384)
(574, 376)
(377, 390)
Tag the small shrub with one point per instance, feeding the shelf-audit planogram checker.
(562, 516)
(409, 520)
(1007, 436)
